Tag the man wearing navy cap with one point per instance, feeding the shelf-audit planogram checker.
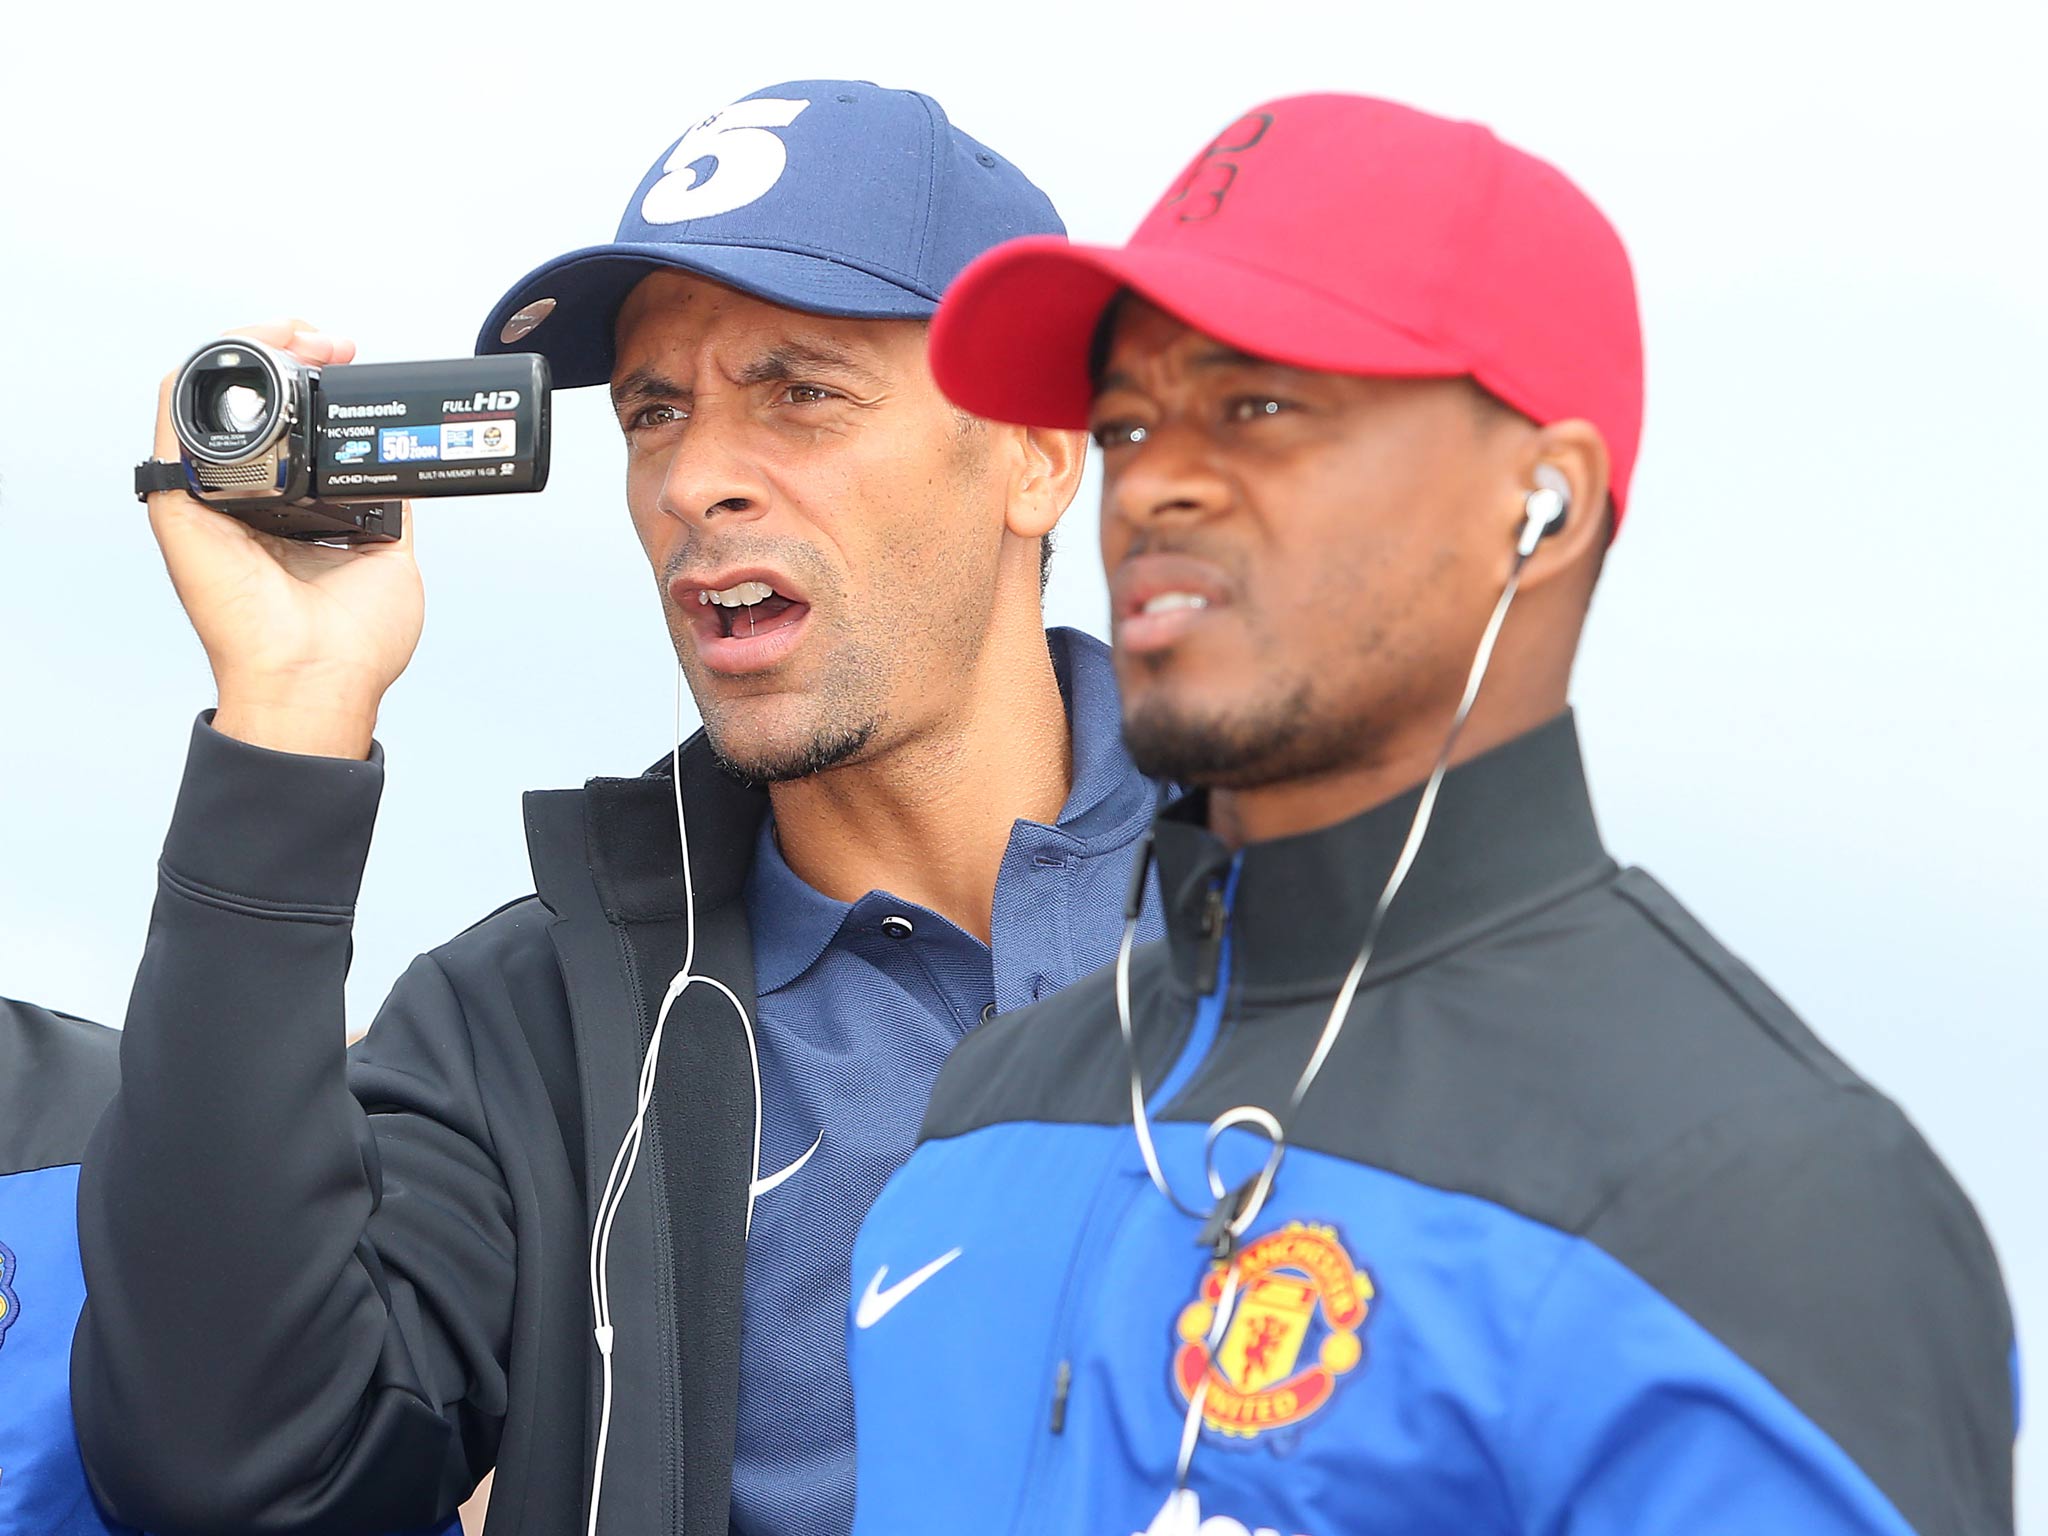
(1436, 1175)
(579, 1208)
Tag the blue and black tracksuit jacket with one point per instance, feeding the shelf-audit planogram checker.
(56, 1075)
(1582, 1230)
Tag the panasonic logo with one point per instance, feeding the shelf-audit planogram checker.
(484, 400)
(343, 412)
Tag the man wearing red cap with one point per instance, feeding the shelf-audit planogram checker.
(1436, 1173)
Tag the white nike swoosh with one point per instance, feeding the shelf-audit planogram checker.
(777, 1180)
(878, 1303)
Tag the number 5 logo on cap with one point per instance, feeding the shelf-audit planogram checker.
(746, 162)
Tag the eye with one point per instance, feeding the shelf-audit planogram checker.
(805, 394)
(1253, 408)
(1119, 434)
(659, 414)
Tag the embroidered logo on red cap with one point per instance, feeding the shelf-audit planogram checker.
(1364, 238)
(1211, 177)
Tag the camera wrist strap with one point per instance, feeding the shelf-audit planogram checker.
(153, 475)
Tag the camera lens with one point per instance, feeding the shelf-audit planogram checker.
(234, 400)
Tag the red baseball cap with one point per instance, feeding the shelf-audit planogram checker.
(1337, 233)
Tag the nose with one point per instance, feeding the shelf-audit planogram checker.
(707, 478)
(1170, 477)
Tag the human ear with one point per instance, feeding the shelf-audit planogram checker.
(1575, 456)
(1048, 476)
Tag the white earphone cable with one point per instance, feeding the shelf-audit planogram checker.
(1542, 512)
(628, 1156)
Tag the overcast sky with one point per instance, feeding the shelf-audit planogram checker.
(1811, 692)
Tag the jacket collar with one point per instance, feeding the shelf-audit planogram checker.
(628, 847)
(1510, 826)
(608, 866)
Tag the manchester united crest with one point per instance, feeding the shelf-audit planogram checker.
(1293, 1334)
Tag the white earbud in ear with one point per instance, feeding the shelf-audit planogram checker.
(1543, 512)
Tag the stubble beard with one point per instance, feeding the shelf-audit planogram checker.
(846, 715)
(844, 725)
(829, 746)
(1276, 739)
(1318, 715)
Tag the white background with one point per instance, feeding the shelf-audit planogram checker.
(1812, 688)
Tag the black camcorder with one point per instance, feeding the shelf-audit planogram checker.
(328, 454)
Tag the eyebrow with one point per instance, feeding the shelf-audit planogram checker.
(796, 356)
(1220, 356)
(1217, 356)
(645, 384)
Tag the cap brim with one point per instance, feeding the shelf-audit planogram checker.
(1011, 341)
(589, 286)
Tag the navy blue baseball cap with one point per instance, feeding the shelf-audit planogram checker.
(834, 197)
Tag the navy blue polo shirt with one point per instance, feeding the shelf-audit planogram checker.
(858, 1006)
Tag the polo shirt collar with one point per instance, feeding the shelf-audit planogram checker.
(794, 923)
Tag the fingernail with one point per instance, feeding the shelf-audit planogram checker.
(312, 339)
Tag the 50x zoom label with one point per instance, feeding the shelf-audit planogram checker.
(468, 440)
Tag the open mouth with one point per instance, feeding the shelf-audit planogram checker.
(742, 621)
(1158, 600)
(748, 609)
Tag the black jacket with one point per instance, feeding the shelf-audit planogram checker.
(307, 1311)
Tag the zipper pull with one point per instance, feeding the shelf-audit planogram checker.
(1062, 1383)
(1216, 1235)
(1214, 921)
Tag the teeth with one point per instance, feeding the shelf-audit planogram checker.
(1172, 602)
(745, 595)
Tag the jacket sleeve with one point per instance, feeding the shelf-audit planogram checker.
(1791, 1321)
(299, 1270)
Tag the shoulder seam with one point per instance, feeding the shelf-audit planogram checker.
(1847, 1080)
(1646, 1164)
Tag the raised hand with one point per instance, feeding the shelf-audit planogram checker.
(304, 639)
